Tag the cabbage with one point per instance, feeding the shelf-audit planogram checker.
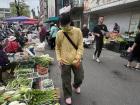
(22, 104)
(14, 103)
(24, 89)
(1, 100)
(16, 97)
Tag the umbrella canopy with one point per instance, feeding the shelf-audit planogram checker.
(29, 22)
(52, 19)
(30, 19)
(19, 18)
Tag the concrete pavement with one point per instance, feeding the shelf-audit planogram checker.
(108, 83)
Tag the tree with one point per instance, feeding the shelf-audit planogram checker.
(19, 9)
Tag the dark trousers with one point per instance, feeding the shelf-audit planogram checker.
(10, 66)
(52, 43)
(99, 46)
(66, 78)
(42, 38)
(132, 56)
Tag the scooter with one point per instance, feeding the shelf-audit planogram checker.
(88, 41)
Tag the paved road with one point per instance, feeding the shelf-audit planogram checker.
(108, 83)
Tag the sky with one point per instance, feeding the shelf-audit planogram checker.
(32, 3)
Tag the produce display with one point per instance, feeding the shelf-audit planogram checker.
(43, 60)
(19, 91)
(47, 84)
(24, 71)
(114, 37)
(47, 97)
(17, 83)
(29, 75)
(26, 96)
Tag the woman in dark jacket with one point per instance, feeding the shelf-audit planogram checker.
(135, 51)
(5, 64)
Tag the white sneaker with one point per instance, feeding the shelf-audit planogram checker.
(94, 57)
(68, 101)
(98, 60)
(78, 90)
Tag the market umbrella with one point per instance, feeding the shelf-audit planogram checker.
(52, 19)
(29, 22)
(31, 19)
(19, 18)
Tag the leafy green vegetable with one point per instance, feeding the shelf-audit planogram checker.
(17, 83)
(43, 60)
(40, 97)
(1, 100)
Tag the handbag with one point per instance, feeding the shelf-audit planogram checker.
(69, 39)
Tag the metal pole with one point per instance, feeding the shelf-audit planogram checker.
(62, 3)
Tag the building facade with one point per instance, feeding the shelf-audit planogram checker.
(4, 13)
(124, 12)
(76, 10)
(43, 9)
(49, 8)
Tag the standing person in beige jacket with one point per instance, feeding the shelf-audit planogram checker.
(69, 56)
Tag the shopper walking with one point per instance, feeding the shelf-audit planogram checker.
(135, 51)
(42, 32)
(69, 51)
(53, 32)
(99, 31)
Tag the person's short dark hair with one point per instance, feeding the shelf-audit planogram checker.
(101, 16)
(65, 19)
(116, 24)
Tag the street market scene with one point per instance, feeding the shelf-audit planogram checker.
(69, 52)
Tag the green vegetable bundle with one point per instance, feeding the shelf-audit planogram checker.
(40, 97)
(17, 83)
(24, 71)
(43, 60)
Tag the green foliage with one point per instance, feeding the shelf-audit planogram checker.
(23, 10)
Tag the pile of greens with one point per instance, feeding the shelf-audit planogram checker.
(43, 60)
(17, 83)
(31, 97)
(24, 71)
(38, 97)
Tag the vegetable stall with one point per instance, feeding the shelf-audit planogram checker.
(32, 84)
(119, 42)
